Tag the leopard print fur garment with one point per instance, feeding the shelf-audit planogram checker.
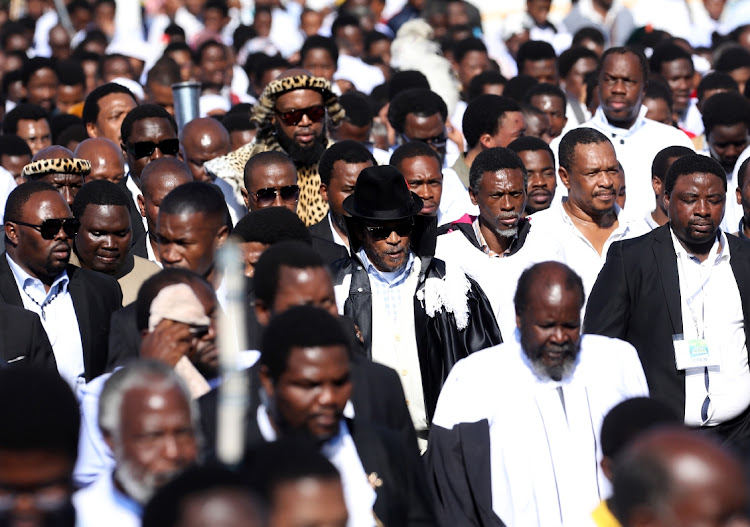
(57, 166)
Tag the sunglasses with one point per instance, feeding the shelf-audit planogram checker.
(403, 228)
(437, 141)
(168, 147)
(50, 228)
(293, 117)
(265, 196)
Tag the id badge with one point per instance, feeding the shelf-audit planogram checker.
(693, 353)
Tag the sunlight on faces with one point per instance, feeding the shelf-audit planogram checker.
(592, 178)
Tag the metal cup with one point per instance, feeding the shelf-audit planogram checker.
(186, 96)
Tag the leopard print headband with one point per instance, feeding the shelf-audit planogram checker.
(57, 166)
(263, 110)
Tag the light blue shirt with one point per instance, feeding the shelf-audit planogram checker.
(387, 285)
(58, 315)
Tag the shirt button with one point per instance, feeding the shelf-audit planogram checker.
(404, 372)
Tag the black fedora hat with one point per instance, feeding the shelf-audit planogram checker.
(381, 194)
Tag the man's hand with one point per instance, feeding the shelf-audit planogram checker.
(168, 342)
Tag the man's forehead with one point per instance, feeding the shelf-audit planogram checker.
(94, 212)
(153, 126)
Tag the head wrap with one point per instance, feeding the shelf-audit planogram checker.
(264, 108)
(57, 166)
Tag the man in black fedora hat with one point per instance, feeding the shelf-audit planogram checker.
(417, 314)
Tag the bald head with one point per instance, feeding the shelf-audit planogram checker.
(106, 159)
(674, 476)
(53, 152)
(543, 277)
(203, 140)
(158, 179)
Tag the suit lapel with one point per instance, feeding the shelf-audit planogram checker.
(8, 287)
(666, 263)
(739, 260)
(81, 307)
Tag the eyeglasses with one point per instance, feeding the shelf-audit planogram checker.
(266, 196)
(168, 147)
(403, 228)
(437, 141)
(50, 228)
(293, 117)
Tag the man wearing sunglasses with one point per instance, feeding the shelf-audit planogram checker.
(73, 304)
(292, 114)
(270, 181)
(416, 314)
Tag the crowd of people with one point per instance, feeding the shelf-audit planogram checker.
(492, 274)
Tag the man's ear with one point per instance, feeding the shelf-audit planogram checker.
(221, 236)
(11, 233)
(262, 312)
(141, 205)
(666, 201)
(91, 130)
(472, 196)
(246, 197)
(657, 185)
(738, 192)
(564, 177)
(324, 192)
(487, 141)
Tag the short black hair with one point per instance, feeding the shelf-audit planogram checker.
(575, 137)
(570, 56)
(12, 145)
(23, 111)
(9, 29)
(659, 165)
(668, 52)
(371, 37)
(624, 50)
(298, 327)
(742, 173)
(319, 42)
(164, 73)
(411, 150)
(70, 73)
(294, 254)
(62, 121)
(91, 104)
(588, 33)
(144, 111)
(196, 197)
(528, 143)
(21, 195)
(347, 151)
(112, 57)
(630, 418)
(35, 64)
(483, 115)
(518, 86)
(732, 59)
(477, 84)
(39, 412)
(167, 507)
(467, 45)
(658, 89)
(546, 89)
(198, 56)
(404, 80)
(693, 164)
(177, 46)
(99, 192)
(358, 108)
(727, 109)
(269, 157)
(492, 160)
(418, 101)
(272, 225)
(221, 5)
(71, 135)
(344, 20)
(154, 284)
(237, 122)
(534, 50)
(530, 276)
(716, 80)
(286, 460)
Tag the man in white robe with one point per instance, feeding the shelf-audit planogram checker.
(515, 436)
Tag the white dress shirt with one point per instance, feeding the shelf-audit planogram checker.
(337, 239)
(103, 504)
(580, 254)
(712, 309)
(58, 315)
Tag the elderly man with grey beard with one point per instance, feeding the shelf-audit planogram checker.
(495, 247)
(514, 439)
(149, 421)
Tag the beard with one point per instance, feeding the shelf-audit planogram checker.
(511, 232)
(302, 155)
(558, 371)
(141, 487)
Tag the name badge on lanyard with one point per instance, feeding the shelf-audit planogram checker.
(693, 353)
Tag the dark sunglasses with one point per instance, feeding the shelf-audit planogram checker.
(293, 117)
(266, 196)
(403, 228)
(168, 147)
(437, 141)
(50, 228)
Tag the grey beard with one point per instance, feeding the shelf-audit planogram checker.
(140, 491)
(507, 233)
(556, 373)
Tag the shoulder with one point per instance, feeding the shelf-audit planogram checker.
(90, 278)
(599, 353)
(144, 265)
(484, 365)
(666, 133)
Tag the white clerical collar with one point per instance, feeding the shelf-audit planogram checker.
(600, 120)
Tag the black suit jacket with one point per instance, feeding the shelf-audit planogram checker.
(95, 297)
(322, 242)
(23, 341)
(138, 244)
(637, 298)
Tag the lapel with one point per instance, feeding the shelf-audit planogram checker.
(666, 263)
(8, 287)
(739, 260)
(373, 458)
(81, 307)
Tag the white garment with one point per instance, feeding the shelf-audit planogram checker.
(672, 16)
(183, 18)
(733, 210)
(712, 309)
(58, 315)
(237, 210)
(135, 192)
(544, 458)
(102, 504)
(455, 201)
(635, 148)
(363, 76)
(498, 277)
(580, 254)
(341, 451)
(7, 184)
(337, 239)
(284, 30)
(150, 252)
(692, 120)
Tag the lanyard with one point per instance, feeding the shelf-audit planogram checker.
(699, 292)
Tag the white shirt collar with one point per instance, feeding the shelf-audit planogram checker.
(719, 250)
(34, 287)
(600, 120)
